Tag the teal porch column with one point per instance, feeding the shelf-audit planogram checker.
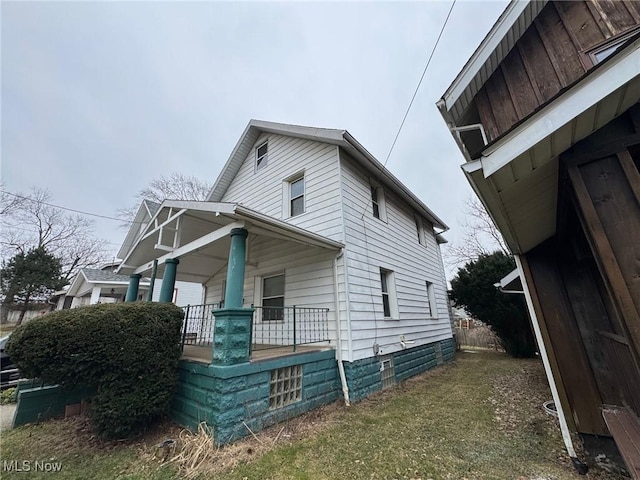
(168, 280)
(132, 289)
(232, 332)
(235, 268)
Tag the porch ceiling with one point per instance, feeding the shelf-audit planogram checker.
(517, 178)
(197, 233)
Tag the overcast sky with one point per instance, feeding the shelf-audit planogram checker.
(99, 98)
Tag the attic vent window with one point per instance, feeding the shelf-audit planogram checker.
(261, 156)
(610, 46)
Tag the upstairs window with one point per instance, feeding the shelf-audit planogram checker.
(296, 196)
(431, 301)
(261, 156)
(374, 201)
(420, 231)
(378, 203)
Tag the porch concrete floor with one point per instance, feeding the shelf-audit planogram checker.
(203, 353)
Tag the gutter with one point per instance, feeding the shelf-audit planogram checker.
(343, 377)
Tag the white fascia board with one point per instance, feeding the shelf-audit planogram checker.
(596, 86)
(508, 18)
(401, 189)
(217, 208)
(214, 207)
(193, 246)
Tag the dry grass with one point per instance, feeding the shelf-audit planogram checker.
(479, 418)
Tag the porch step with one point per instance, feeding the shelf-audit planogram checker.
(624, 427)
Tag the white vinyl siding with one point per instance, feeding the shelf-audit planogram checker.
(308, 276)
(371, 245)
(188, 293)
(263, 190)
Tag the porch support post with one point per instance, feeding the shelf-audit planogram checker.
(235, 268)
(168, 280)
(232, 331)
(95, 295)
(152, 283)
(132, 289)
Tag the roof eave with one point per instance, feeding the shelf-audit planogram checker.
(403, 190)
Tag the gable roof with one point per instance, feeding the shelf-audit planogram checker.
(146, 211)
(341, 138)
(97, 276)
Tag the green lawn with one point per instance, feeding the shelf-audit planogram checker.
(480, 418)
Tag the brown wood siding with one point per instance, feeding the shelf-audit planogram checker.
(581, 388)
(548, 57)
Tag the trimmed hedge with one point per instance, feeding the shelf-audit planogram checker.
(127, 353)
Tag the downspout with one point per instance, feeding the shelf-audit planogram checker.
(564, 428)
(343, 377)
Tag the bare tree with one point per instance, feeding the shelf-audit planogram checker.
(480, 236)
(30, 221)
(175, 186)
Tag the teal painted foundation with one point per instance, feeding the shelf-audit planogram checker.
(226, 396)
(42, 402)
(364, 378)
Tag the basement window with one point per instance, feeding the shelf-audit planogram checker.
(285, 386)
(387, 372)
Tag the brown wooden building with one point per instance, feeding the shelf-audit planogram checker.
(547, 115)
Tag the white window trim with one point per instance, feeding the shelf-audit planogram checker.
(286, 194)
(382, 203)
(257, 290)
(421, 230)
(391, 294)
(431, 300)
(265, 157)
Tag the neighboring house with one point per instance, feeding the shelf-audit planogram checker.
(546, 114)
(306, 245)
(93, 285)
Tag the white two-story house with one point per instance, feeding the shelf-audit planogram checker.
(340, 260)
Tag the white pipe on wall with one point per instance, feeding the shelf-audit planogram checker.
(343, 377)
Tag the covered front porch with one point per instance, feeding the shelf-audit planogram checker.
(270, 287)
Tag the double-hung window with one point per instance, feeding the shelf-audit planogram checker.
(296, 196)
(387, 287)
(375, 202)
(261, 155)
(378, 203)
(273, 297)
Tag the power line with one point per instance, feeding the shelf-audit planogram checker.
(415, 93)
(65, 208)
(419, 83)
